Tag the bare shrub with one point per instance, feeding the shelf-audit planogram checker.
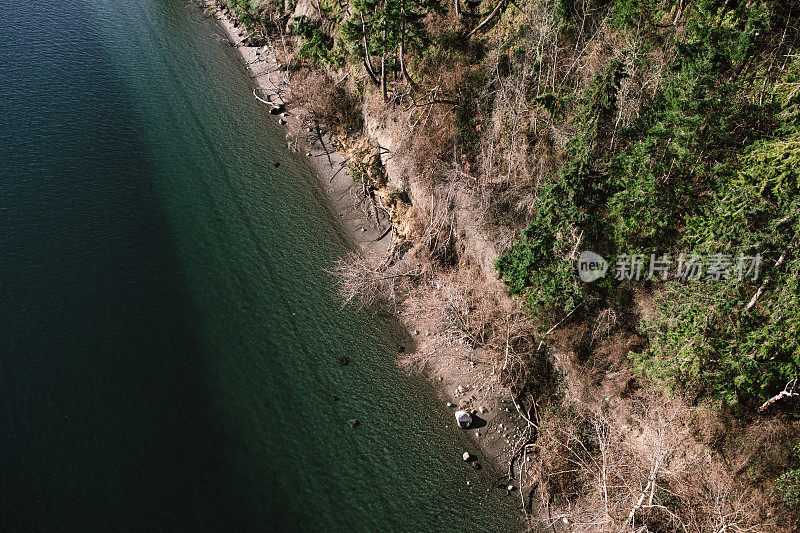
(467, 314)
(436, 219)
(363, 284)
(320, 99)
(604, 324)
(599, 474)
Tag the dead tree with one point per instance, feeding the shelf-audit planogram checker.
(787, 392)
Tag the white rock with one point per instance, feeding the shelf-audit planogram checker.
(466, 456)
(463, 418)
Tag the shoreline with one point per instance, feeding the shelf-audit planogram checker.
(319, 148)
(462, 377)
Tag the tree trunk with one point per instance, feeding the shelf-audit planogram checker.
(383, 79)
(371, 74)
(403, 70)
(383, 66)
(367, 58)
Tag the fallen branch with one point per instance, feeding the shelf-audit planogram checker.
(777, 265)
(530, 440)
(261, 99)
(525, 418)
(488, 19)
(551, 330)
(787, 392)
(650, 482)
(385, 233)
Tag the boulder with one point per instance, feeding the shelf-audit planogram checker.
(463, 418)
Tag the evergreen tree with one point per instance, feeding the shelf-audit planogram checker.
(387, 29)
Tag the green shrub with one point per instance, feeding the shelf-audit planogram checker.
(788, 486)
(316, 46)
(710, 166)
(537, 266)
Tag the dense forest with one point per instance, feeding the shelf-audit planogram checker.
(663, 136)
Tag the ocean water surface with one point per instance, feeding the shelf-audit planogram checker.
(170, 340)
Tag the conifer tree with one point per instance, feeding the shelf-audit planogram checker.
(388, 29)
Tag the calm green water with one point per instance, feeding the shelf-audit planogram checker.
(169, 346)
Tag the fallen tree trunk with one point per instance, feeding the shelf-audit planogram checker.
(787, 392)
(488, 19)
